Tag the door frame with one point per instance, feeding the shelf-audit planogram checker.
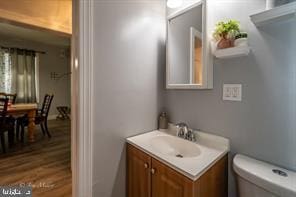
(82, 98)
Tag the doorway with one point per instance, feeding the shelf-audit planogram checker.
(36, 68)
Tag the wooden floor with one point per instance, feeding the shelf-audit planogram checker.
(44, 164)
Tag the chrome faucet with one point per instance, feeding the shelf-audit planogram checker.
(184, 132)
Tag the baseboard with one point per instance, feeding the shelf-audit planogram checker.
(52, 117)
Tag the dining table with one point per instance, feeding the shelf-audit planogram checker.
(17, 110)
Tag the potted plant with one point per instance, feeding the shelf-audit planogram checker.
(241, 39)
(225, 33)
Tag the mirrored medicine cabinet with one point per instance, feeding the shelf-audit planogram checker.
(189, 59)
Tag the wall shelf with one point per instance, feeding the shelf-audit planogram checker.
(282, 13)
(232, 52)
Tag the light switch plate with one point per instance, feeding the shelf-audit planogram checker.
(232, 92)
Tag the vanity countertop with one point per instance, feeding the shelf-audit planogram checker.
(208, 150)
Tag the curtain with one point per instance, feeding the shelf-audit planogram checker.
(17, 74)
(5, 72)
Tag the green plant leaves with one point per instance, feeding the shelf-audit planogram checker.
(226, 29)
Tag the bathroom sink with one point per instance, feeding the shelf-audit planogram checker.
(175, 147)
(191, 159)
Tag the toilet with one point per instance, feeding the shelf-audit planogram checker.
(259, 179)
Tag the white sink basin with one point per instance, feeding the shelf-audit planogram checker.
(174, 147)
(188, 158)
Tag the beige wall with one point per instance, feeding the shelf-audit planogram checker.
(49, 62)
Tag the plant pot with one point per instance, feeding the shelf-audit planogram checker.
(241, 42)
(225, 43)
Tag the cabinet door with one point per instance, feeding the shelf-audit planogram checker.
(138, 173)
(166, 182)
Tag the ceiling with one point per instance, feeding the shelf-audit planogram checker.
(22, 33)
(55, 15)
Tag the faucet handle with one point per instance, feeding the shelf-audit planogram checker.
(191, 136)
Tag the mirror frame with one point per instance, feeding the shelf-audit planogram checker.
(207, 57)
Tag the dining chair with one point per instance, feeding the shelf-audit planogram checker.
(11, 98)
(3, 95)
(40, 118)
(6, 125)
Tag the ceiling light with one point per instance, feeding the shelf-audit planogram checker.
(174, 3)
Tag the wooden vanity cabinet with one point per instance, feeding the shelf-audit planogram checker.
(138, 173)
(148, 177)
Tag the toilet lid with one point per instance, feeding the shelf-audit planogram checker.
(272, 178)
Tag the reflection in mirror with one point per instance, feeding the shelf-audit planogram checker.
(181, 71)
(196, 56)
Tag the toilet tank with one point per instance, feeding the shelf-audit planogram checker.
(259, 179)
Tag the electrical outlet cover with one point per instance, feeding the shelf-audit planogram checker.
(232, 92)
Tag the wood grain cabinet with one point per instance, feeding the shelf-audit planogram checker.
(148, 177)
(138, 173)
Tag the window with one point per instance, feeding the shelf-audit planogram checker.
(5, 72)
(19, 73)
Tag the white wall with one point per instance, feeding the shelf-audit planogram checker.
(263, 124)
(49, 62)
(128, 77)
(53, 62)
(129, 61)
